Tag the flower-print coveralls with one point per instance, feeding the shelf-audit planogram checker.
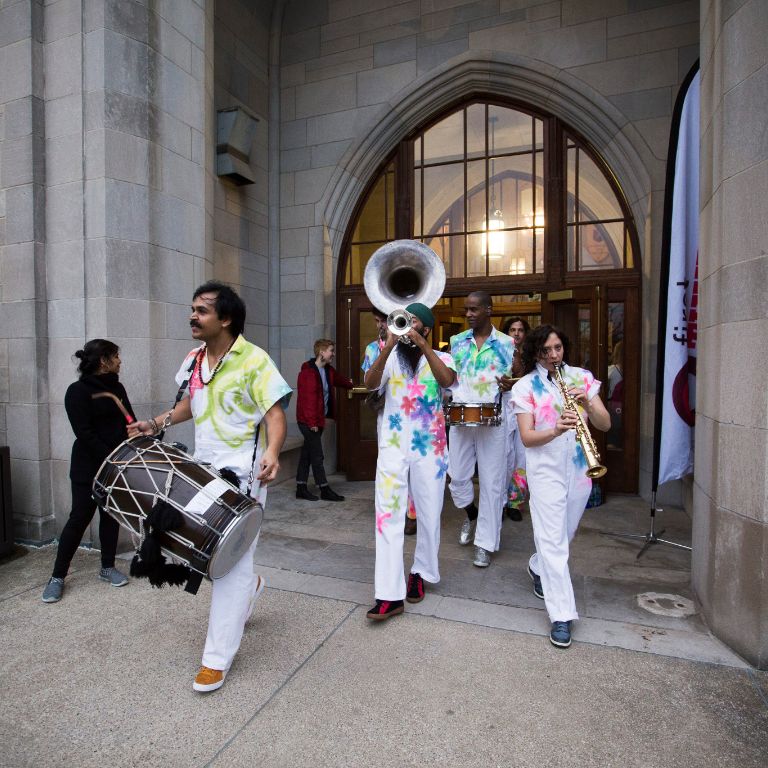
(226, 412)
(372, 351)
(557, 481)
(412, 453)
(477, 370)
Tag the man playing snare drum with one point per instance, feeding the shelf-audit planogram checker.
(483, 360)
(234, 386)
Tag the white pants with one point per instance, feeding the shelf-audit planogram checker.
(411, 511)
(487, 446)
(395, 473)
(559, 493)
(230, 603)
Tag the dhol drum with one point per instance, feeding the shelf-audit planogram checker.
(472, 414)
(219, 522)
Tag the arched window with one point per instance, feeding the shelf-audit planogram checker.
(497, 192)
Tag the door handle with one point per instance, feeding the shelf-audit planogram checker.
(356, 391)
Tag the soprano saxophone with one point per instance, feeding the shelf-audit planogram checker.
(594, 468)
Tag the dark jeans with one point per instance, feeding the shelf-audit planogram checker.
(311, 453)
(83, 509)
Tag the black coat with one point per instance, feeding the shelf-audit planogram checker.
(97, 421)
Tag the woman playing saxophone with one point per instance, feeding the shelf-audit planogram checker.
(549, 420)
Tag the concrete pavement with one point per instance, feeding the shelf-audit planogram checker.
(465, 678)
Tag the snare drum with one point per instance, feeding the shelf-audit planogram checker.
(472, 414)
(220, 522)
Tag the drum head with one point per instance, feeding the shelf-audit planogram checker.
(235, 541)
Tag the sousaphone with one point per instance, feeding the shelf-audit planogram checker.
(400, 273)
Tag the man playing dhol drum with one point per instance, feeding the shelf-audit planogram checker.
(483, 360)
(234, 386)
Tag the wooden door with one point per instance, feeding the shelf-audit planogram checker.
(358, 445)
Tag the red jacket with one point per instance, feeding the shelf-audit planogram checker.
(309, 394)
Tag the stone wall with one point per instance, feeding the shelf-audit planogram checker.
(107, 182)
(24, 400)
(355, 77)
(241, 242)
(730, 523)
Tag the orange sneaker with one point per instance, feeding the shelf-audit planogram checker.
(209, 679)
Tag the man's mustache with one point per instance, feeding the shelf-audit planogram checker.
(194, 324)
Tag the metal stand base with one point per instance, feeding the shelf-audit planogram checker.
(651, 537)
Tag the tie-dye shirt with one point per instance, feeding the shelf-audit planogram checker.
(372, 351)
(413, 421)
(540, 396)
(227, 410)
(477, 369)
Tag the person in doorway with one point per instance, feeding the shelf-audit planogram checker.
(316, 402)
(616, 395)
(483, 359)
(517, 486)
(234, 386)
(556, 466)
(372, 351)
(99, 411)
(411, 455)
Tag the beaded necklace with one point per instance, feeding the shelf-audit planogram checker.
(200, 356)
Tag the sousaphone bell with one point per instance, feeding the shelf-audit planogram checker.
(400, 273)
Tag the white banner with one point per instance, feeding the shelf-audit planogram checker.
(679, 404)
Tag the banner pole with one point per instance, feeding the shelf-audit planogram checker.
(651, 537)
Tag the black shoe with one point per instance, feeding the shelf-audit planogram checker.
(410, 526)
(384, 609)
(415, 592)
(538, 590)
(302, 492)
(513, 513)
(326, 494)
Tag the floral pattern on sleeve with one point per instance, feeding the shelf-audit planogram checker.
(372, 351)
(537, 395)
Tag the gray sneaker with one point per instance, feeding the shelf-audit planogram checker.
(467, 533)
(53, 591)
(113, 576)
(482, 557)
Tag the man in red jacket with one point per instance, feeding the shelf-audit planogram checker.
(316, 402)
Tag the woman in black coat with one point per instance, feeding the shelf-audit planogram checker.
(99, 412)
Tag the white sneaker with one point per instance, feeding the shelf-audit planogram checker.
(256, 594)
(482, 557)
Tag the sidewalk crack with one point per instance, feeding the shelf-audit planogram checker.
(274, 693)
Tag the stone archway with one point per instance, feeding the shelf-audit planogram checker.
(492, 74)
